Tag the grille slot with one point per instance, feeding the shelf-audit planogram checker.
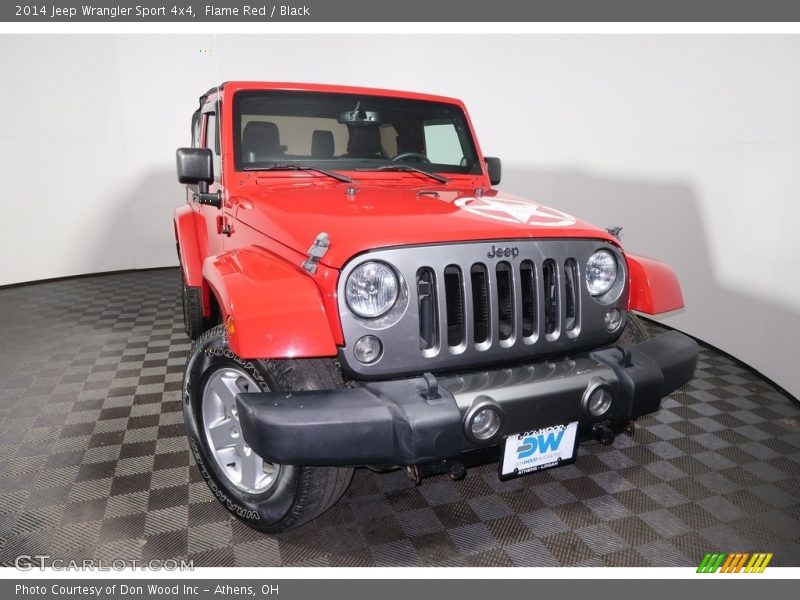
(480, 303)
(527, 276)
(454, 302)
(571, 295)
(426, 304)
(505, 301)
(550, 298)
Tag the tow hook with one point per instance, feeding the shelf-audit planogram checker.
(603, 434)
(454, 469)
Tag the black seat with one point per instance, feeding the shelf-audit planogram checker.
(322, 144)
(364, 142)
(261, 141)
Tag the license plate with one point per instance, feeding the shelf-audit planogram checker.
(533, 451)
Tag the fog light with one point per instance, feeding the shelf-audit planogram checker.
(613, 320)
(485, 424)
(597, 398)
(368, 349)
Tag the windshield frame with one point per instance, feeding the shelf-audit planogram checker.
(352, 164)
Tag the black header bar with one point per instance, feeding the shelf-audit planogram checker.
(152, 11)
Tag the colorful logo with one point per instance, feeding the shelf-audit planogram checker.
(545, 441)
(740, 562)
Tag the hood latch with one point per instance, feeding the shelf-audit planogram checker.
(318, 249)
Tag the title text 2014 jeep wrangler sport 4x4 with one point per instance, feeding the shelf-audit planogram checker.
(360, 295)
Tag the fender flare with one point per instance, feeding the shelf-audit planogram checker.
(655, 288)
(271, 308)
(188, 230)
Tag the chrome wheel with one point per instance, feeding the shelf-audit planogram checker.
(244, 468)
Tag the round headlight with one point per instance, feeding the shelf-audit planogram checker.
(601, 272)
(371, 289)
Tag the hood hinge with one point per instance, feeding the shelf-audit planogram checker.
(317, 251)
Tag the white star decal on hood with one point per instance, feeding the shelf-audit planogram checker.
(515, 211)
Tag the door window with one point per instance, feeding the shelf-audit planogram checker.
(212, 141)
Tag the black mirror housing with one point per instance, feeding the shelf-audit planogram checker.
(195, 165)
(494, 169)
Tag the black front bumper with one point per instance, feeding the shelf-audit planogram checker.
(423, 419)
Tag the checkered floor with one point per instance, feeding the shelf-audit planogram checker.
(94, 463)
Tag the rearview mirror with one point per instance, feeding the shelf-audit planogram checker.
(493, 169)
(194, 166)
(357, 116)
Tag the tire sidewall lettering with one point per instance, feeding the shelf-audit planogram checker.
(218, 352)
(219, 494)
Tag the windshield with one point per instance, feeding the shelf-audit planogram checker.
(350, 132)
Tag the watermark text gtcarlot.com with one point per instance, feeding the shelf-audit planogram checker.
(44, 562)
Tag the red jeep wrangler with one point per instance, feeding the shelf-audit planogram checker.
(360, 295)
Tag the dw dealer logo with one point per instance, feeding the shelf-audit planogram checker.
(543, 443)
(720, 562)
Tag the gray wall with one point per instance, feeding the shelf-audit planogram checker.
(691, 142)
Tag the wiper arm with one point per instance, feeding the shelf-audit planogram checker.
(299, 167)
(435, 176)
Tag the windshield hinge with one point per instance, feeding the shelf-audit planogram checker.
(316, 252)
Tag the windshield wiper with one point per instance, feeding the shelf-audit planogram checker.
(435, 176)
(298, 167)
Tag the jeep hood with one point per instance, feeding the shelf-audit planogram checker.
(380, 215)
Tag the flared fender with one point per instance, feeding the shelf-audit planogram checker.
(189, 228)
(654, 287)
(273, 309)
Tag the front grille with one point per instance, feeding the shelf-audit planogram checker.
(501, 304)
(471, 304)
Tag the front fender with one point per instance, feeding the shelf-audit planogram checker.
(272, 308)
(189, 228)
(654, 286)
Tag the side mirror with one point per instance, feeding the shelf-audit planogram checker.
(194, 166)
(493, 168)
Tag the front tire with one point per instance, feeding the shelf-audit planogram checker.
(192, 310)
(635, 331)
(268, 497)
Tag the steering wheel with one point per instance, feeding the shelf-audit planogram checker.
(416, 155)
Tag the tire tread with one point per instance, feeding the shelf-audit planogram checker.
(193, 311)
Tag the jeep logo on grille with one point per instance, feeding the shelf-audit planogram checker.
(500, 252)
